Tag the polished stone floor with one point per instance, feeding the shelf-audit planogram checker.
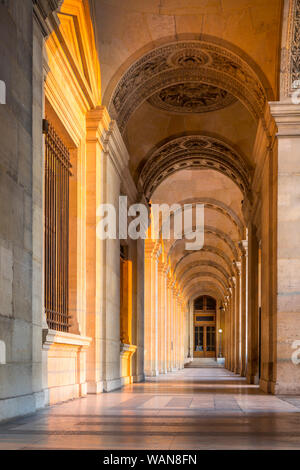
(205, 408)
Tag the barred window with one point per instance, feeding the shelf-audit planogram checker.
(57, 175)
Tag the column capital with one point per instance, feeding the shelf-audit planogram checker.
(163, 267)
(152, 249)
(244, 247)
(238, 266)
(97, 125)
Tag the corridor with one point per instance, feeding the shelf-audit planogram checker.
(195, 408)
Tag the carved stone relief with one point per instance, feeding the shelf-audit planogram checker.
(187, 76)
(193, 152)
(191, 98)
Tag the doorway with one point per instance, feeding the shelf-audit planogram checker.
(205, 327)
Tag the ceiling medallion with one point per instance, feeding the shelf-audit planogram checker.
(189, 57)
(191, 98)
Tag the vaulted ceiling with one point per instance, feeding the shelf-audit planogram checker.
(187, 82)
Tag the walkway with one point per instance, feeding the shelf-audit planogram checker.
(191, 409)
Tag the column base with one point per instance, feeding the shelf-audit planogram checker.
(112, 384)
(94, 388)
(252, 380)
(139, 378)
(266, 385)
(151, 373)
(22, 405)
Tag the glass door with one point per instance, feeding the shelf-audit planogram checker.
(199, 341)
(205, 327)
(210, 341)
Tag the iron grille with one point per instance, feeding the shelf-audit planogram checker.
(57, 175)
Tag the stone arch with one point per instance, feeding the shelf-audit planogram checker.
(209, 249)
(194, 59)
(213, 231)
(206, 263)
(193, 151)
(200, 275)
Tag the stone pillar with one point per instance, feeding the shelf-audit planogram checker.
(152, 251)
(162, 317)
(97, 124)
(173, 323)
(181, 330)
(252, 364)
(237, 356)
(174, 326)
(191, 328)
(177, 329)
(232, 323)
(138, 317)
(244, 307)
(115, 165)
(227, 332)
(286, 378)
(169, 324)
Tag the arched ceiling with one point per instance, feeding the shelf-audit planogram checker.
(224, 228)
(131, 28)
(187, 82)
(193, 151)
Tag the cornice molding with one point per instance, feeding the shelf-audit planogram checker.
(45, 13)
(287, 118)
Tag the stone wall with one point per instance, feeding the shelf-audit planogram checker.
(20, 328)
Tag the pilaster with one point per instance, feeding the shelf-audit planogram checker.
(285, 378)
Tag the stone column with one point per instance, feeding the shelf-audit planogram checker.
(180, 331)
(237, 359)
(252, 364)
(152, 251)
(232, 323)
(173, 325)
(162, 317)
(174, 335)
(177, 330)
(97, 124)
(287, 314)
(227, 332)
(244, 307)
(183, 328)
(169, 324)
(115, 166)
(138, 302)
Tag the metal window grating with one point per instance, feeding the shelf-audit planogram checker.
(57, 175)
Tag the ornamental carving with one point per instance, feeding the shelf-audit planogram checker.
(295, 47)
(193, 152)
(187, 76)
(191, 98)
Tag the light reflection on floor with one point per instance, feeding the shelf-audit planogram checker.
(190, 409)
